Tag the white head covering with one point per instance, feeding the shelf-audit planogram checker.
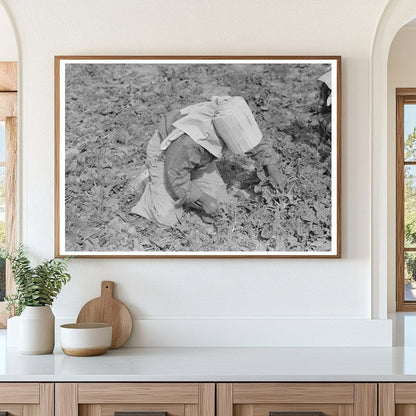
(235, 124)
(327, 79)
(212, 123)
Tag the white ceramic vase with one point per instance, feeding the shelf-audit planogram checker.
(37, 330)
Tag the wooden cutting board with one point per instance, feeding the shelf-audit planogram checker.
(108, 310)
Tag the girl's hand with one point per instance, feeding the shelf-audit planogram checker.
(277, 177)
(209, 204)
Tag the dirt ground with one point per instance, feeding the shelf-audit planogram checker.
(113, 110)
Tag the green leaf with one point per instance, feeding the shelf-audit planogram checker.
(35, 286)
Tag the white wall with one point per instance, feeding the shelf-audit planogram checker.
(401, 74)
(202, 299)
(8, 47)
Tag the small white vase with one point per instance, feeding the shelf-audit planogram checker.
(37, 330)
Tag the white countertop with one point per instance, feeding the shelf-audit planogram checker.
(215, 364)
(221, 364)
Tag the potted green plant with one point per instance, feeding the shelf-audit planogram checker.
(36, 289)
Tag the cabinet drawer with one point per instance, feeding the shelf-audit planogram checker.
(19, 393)
(21, 399)
(138, 393)
(147, 399)
(297, 399)
(120, 408)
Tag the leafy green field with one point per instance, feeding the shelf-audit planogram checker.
(113, 110)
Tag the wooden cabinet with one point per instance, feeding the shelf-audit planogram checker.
(107, 399)
(397, 399)
(208, 399)
(262, 399)
(27, 399)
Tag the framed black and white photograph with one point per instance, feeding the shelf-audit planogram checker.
(197, 156)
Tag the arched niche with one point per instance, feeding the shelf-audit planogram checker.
(396, 14)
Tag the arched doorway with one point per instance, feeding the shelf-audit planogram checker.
(396, 15)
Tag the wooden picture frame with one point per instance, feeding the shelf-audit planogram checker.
(405, 300)
(8, 116)
(282, 201)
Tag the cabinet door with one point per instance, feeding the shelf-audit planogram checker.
(26, 399)
(397, 399)
(297, 399)
(142, 399)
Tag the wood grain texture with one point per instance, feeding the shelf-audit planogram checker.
(47, 399)
(138, 393)
(224, 399)
(8, 76)
(405, 91)
(110, 409)
(11, 196)
(244, 410)
(13, 409)
(207, 399)
(84, 352)
(339, 158)
(403, 96)
(265, 409)
(405, 410)
(25, 393)
(405, 393)
(109, 310)
(90, 410)
(57, 168)
(400, 304)
(365, 399)
(346, 410)
(31, 410)
(66, 399)
(386, 399)
(8, 105)
(237, 409)
(58, 58)
(340, 393)
(11, 208)
(190, 410)
(171, 409)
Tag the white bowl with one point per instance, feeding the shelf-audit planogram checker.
(83, 340)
